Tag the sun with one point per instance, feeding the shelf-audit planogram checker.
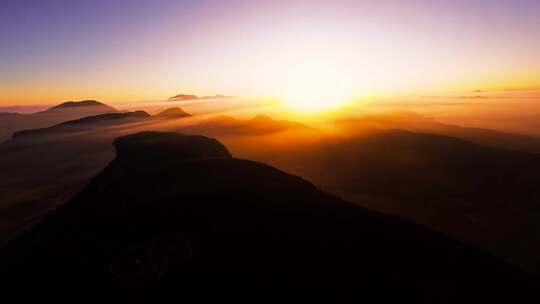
(310, 100)
(315, 88)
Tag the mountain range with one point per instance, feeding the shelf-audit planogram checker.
(95, 122)
(12, 122)
(411, 121)
(396, 163)
(178, 216)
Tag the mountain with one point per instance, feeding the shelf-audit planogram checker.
(482, 195)
(411, 121)
(223, 125)
(402, 161)
(86, 123)
(177, 216)
(175, 112)
(63, 112)
(96, 122)
(66, 155)
(487, 197)
(151, 146)
(91, 105)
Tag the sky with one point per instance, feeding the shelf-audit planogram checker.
(52, 50)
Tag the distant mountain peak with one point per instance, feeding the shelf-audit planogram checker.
(174, 112)
(80, 105)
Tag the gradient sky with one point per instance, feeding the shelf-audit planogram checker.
(52, 50)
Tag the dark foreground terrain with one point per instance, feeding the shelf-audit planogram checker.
(177, 216)
(477, 186)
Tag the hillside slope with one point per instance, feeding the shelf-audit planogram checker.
(176, 215)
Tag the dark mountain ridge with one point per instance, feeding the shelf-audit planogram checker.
(223, 125)
(482, 195)
(86, 122)
(95, 122)
(79, 104)
(173, 211)
(426, 165)
(175, 112)
(412, 121)
(63, 112)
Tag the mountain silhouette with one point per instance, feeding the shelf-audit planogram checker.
(88, 122)
(156, 146)
(412, 121)
(175, 112)
(258, 125)
(81, 104)
(70, 110)
(482, 195)
(178, 216)
(96, 122)
(410, 164)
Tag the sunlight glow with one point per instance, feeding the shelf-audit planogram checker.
(316, 87)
